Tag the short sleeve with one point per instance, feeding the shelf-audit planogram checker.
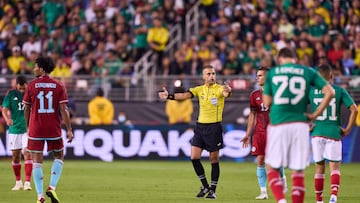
(6, 101)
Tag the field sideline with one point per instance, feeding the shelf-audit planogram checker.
(161, 181)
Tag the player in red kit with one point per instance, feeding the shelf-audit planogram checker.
(258, 121)
(45, 100)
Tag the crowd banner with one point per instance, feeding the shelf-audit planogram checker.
(160, 142)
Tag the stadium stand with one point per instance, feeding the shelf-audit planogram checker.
(104, 42)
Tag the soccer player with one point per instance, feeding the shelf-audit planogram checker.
(44, 99)
(327, 134)
(13, 112)
(208, 133)
(259, 118)
(286, 92)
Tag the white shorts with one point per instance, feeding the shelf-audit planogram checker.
(288, 146)
(325, 148)
(17, 141)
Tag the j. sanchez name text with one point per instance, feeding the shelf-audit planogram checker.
(290, 70)
(45, 85)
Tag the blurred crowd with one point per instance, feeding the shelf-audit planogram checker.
(84, 37)
(104, 37)
(237, 36)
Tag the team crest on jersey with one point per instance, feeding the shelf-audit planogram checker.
(214, 101)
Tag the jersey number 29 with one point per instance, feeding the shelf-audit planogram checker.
(296, 86)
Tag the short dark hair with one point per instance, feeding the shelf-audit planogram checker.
(45, 63)
(21, 80)
(263, 68)
(325, 70)
(287, 53)
(100, 92)
(207, 66)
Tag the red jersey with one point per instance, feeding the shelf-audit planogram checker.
(262, 112)
(45, 95)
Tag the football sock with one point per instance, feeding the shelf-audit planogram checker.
(215, 173)
(335, 182)
(319, 186)
(200, 172)
(38, 178)
(298, 189)
(276, 185)
(28, 169)
(17, 170)
(261, 175)
(56, 170)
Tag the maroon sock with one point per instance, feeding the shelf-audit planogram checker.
(298, 189)
(335, 182)
(276, 184)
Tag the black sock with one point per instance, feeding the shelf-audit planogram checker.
(199, 170)
(215, 173)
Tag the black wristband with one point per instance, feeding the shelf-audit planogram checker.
(171, 97)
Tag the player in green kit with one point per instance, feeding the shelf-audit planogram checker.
(286, 92)
(13, 112)
(327, 134)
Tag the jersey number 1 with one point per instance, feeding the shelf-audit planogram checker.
(45, 98)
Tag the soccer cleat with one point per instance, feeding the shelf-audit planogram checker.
(42, 200)
(18, 186)
(211, 195)
(319, 202)
(333, 199)
(263, 195)
(203, 191)
(53, 196)
(27, 186)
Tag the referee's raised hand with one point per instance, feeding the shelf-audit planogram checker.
(163, 94)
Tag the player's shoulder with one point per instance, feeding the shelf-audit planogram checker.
(10, 92)
(255, 92)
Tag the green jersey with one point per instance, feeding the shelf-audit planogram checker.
(289, 86)
(329, 122)
(13, 102)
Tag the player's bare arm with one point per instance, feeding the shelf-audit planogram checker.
(352, 117)
(329, 93)
(65, 115)
(27, 115)
(6, 113)
(267, 100)
(249, 129)
(178, 96)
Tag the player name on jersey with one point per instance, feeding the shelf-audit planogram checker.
(289, 70)
(45, 85)
(316, 91)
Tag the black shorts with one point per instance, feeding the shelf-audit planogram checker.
(208, 136)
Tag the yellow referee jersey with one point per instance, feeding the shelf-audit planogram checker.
(211, 102)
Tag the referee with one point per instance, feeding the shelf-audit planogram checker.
(208, 133)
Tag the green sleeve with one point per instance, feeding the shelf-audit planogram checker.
(6, 101)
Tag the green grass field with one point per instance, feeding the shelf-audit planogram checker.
(161, 181)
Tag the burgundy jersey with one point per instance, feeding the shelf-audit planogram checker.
(45, 95)
(262, 112)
